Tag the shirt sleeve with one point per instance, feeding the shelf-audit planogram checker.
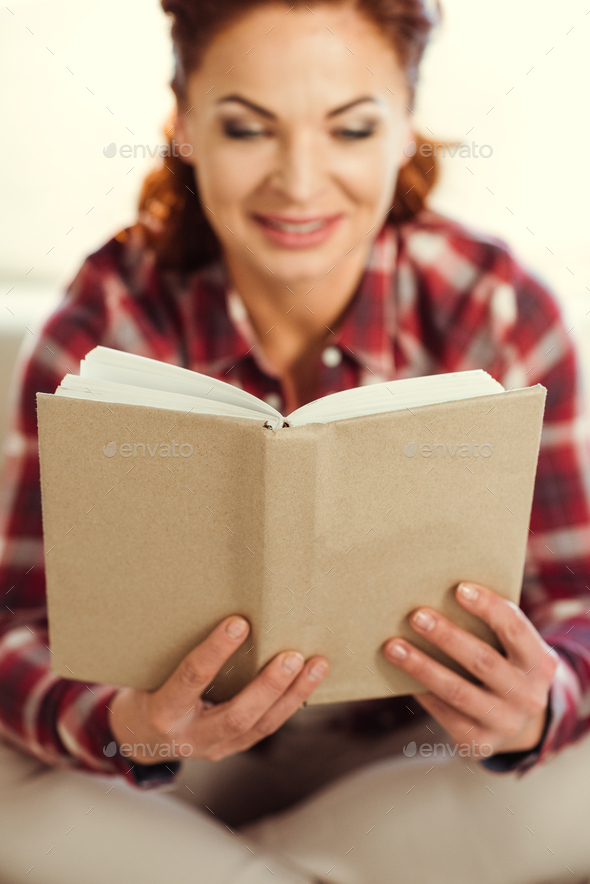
(62, 722)
(538, 348)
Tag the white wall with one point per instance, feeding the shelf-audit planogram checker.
(53, 172)
(61, 198)
(529, 61)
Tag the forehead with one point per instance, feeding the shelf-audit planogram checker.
(299, 59)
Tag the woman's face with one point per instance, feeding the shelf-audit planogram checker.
(298, 123)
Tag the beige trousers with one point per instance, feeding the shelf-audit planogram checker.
(315, 804)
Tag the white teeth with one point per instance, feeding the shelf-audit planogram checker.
(291, 227)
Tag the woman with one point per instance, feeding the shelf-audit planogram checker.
(288, 251)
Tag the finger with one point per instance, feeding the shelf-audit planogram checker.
(235, 718)
(473, 701)
(477, 656)
(519, 638)
(198, 669)
(307, 681)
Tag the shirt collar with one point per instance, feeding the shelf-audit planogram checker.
(365, 332)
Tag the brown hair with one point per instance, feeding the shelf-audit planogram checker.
(170, 211)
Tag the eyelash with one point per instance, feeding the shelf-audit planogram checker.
(356, 134)
(249, 135)
(244, 134)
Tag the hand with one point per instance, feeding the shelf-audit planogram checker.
(177, 715)
(508, 711)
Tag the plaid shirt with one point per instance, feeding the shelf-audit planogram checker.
(435, 297)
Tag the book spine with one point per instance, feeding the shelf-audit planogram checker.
(289, 529)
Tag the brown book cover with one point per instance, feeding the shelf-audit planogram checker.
(159, 523)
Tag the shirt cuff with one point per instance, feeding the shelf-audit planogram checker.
(146, 775)
(84, 729)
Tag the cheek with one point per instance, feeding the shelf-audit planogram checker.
(368, 175)
(229, 174)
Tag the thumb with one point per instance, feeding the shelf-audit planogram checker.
(200, 666)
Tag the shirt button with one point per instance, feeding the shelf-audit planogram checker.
(274, 400)
(331, 357)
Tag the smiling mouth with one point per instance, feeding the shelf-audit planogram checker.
(310, 225)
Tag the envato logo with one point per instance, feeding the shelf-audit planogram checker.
(185, 750)
(161, 150)
(464, 450)
(142, 449)
(434, 750)
(464, 150)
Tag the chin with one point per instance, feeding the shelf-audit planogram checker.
(302, 266)
(300, 269)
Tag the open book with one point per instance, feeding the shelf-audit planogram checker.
(114, 376)
(172, 499)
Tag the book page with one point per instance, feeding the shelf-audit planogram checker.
(106, 364)
(75, 387)
(394, 395)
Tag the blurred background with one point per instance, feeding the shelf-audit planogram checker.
(82, 74)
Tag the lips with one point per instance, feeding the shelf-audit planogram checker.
(291, 226)
(293, 231)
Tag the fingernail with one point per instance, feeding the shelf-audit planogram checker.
(423, 620)
(292, 662)
(467, 591)
(397, 650)
(318, 670)
(237, 627)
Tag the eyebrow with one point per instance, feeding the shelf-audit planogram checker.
(270, 116)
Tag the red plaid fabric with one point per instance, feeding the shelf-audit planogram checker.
(435, 296)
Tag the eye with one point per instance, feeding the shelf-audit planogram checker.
(241, 131)
(354, 133)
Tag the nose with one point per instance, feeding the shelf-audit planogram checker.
(300, 172)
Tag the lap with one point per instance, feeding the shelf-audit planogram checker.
(316, 802)
(65, 826)
(442, 821)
